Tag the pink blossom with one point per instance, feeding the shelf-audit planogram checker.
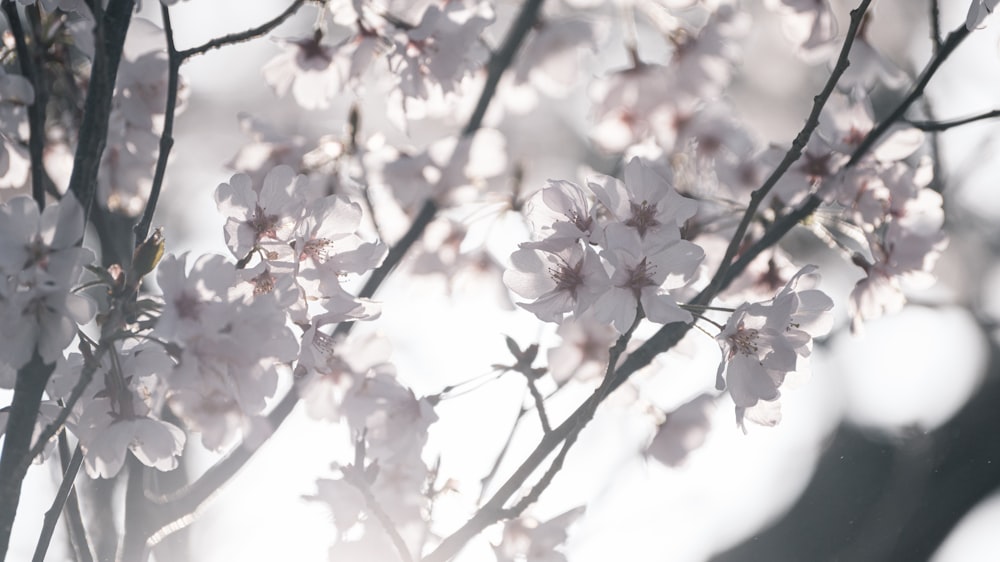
(563, 211)
(105, 439)
(762, 342)
(583, 353)
(262, 215)
(684, 430)
(442, 48)
(309, 68)
(527, 538)
(645, 201)
(641, 269)
(809, 25)
(558, 279)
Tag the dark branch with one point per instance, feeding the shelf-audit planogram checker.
(36, 111)
(938, 126)
(242, 37)
(52, 515)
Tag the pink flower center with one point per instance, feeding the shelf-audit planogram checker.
(567, 278)
(643, 217)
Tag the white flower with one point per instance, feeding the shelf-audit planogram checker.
(229, 346)
(564, 212)
(106, 437)
(809, 24)
(645, 201)
(584, 350)
(559, 279)
(762, 342)
(440, 50)
(307, 67)
(641, 268)
(526, 538)
(41, 262)
(684, 430)
(329, 367)
(327, 248)
(261, 215)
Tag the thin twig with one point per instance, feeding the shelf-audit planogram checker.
(493, 510)
(664, 339)
(938, 126)
(486, 480)
(56, 426)
(669, 335)
(602, 392)
(543, 418)
(781, 226)
(798, 145)
(244, 36)
(498, 64)
(166, 136)
(935, 20)
(52, 515)
(74, 519)
(357, 476)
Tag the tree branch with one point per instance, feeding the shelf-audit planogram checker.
(938, 126)
(52, 515)
(498, 64)
(795, 152)
(110, 28)
(166, 136)
(28, 390)
(36, 111)
(244, 36)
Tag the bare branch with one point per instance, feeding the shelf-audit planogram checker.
(498, 64)
(795, 152)
(52, 515)
(567, 432)
(938, 126)
(244, 36)
(36, 111)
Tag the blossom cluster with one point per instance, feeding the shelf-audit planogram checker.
(640, 255)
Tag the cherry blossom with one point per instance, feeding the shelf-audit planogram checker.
(559, 279)
(230, 349)
(261, 215)
(809, 25)
(106, 437)
(684, 430)
(326, 249)
(527, 538)
(41, 263)
(550, 60)
(583, 353)
(645, 201)
(563, 211)
(641, 268)
(438, 138)
(329, 367)
(441, 48)
(763, 342)
(309, 69)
